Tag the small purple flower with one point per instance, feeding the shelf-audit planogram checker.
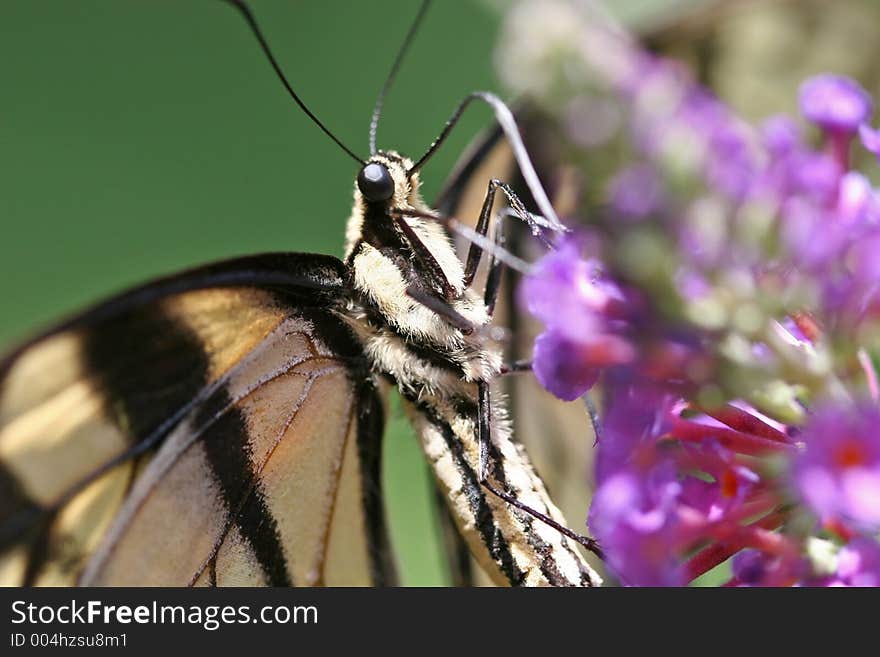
(816, 175)
(636, 192)
(794, 171)
(569, 295)
(731, 165)
(802, 222)
(856, 200)
(750, 567)
(634, 513)
(870, 139)
(567, 292)
(559, 367)
(838, 473)
(634, 518)
(835, 103)
(858, 563)
(780, 135)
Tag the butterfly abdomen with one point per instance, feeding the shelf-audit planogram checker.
(512, 547)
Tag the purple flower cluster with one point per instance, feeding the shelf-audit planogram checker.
(703, 197)
(593, 323)
(726, 307)
(681, 488)
(675, 494)
(735, 199)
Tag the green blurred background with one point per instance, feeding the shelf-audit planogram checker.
(138, 137)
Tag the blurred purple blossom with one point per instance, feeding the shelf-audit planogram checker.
(636, 523)
(835, 103)
(664, 487)
(858, 563)
(563, 366)
(780, 135)
(576, 303)
(870, 139)
(634, 510)
(636, 192)
(750, 567)
(838, 473)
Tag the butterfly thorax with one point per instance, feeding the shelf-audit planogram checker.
(418, 347)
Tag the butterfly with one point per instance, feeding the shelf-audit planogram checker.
(223, 426)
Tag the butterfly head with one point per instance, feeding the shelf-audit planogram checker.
(384, 180)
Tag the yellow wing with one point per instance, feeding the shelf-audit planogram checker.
(217, 427)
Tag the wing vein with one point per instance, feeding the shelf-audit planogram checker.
(325, 540)
(196, 435)
(232, 516)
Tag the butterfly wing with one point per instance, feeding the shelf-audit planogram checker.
(215, 427)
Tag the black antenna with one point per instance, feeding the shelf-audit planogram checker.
(377, 109)
(252, 22)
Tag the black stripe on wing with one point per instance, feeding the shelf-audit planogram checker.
(371, 422)
(151, 370)
(459, 563)
(229, 455)
(228, 452)
(14, 504)
(308, 277)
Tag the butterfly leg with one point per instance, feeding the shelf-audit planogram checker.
(496, 269)
(517, 209)
(442, 308)
(484, 439)
(493, 286)
(516, 367)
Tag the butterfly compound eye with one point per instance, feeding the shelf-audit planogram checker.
(375, 183)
